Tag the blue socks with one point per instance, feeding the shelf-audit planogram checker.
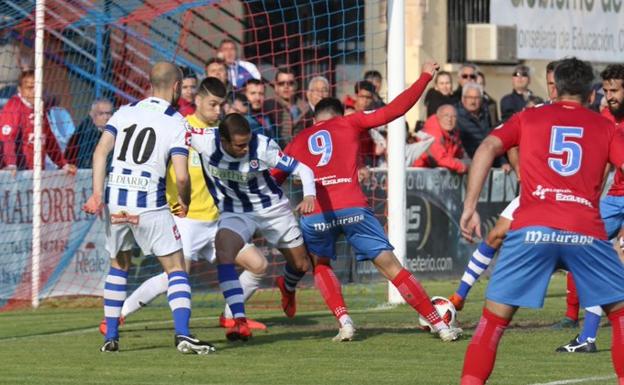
(591, 324)
(179, 297)
(114, 297)
(479, 262)
(231, 289)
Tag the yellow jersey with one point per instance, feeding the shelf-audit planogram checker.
(202, 205)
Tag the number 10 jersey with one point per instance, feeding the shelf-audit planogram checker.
(147, 133)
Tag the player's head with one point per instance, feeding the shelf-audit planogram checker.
(189, 84)
(467, 74)
(209, 98)
(374, 77)
(217, 68)
(364, 91)
(237, 103)
(443, 83)
(285, 83)
(328, 108)
(26, 86)
(227, 51)
(573, 80)
(166, 81)
(235, 135)
(254, 90)
(318, 88)
(447, 117)
(550, 80)
(613, 86)
(101, 111)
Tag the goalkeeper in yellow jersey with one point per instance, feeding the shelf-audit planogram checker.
(199, 227)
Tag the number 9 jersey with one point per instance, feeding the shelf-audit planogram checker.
(147, 133)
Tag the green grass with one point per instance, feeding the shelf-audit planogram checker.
(59, 345)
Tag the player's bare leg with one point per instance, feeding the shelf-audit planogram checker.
(481, 352)
(329, 286)
(414, 294)
(227, 246)
(297, 263)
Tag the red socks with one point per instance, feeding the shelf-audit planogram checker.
(329, 286)
(481, 353)
(572, 311)
(617, 343)
(416, 296)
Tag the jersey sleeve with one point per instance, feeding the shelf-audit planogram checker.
(275, 158)
(112, 126)
(616, 155)
(179, 144)
(397, 107)
(509, 132)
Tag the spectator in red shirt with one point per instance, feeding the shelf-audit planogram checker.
(17, 131)
(446, 150)
(186, 103)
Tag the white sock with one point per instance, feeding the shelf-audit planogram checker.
(345, 319)
(250, 282)
(145, 294)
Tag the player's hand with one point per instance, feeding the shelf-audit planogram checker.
(12, 169)
(94, 204)
(430, 67)
(70, 169)
(307, 205)
(180, 209)
(470, 223)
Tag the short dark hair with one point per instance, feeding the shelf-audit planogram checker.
(372, 74)
(613, 72)
(217, 60)
(254, 81)
(26, 74)
(574, 77)
(188, 73)
(213, 86)
(241, 97)
(233, 124)
(364, 85)
(226, 41)
(550, 67)
(329, 105)
(283, 70)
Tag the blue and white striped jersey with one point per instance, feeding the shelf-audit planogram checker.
(146, 134)
(242, 184)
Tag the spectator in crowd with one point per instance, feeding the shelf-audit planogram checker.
(467, 74)
(517, 99)
(318, 88)
(186, 102)
(372, 143)
(237, 103)
(82, 143)
(17, 131)
(440, 94)
(550, 81)
(285, 110)
(376, 79)
(238, 71)
(488, 101)
(533, 101)
(446, 150)
(258, 120)
(216, 68)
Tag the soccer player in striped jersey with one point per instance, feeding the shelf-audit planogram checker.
(198, 228)
(236, 165)
(142, 136)
(332, 147)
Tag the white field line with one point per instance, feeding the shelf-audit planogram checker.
(578, 380)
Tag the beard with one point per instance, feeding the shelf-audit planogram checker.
(618, 112)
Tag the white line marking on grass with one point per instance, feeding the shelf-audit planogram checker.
(578, 380)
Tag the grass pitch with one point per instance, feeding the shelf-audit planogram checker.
(60, 345)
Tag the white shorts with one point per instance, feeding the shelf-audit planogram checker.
(511, 208)
(277, 224)
(156, 233)
(197, 238)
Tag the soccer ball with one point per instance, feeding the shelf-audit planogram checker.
(447, 312)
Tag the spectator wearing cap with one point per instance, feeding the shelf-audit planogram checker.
(186, 102)
(440, 94)
(467, 74)
(488, 101)
(517, 99)
(238, 71)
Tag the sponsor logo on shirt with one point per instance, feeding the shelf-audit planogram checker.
(129, 182)
(538, 236)
(561, 195)
(232, 175)
(6, 129)
(331, 180)
(326, 226)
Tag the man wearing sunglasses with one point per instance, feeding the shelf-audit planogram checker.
(285, 110)
(467, 74)
(517, 99)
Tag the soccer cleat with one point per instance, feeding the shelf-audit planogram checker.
(240, 330)
(457, 301)
(566, 323)
(110, 346)
(289, 301)
(577, 347)
(225, 322)
(122, 321)
(191, 345)
(451, 334)
(345, 333)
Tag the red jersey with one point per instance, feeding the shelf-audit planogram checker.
(330, 148)
(564, 149)
(17, 128)
(185, 107)
(617, 188)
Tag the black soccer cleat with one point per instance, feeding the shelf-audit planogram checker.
(578, 347)
(110, 346)
(191, 345)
